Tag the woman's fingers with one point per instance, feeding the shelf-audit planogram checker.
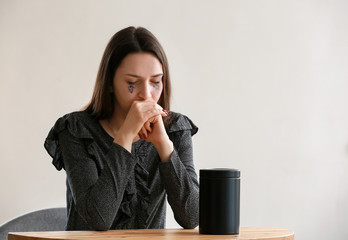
(140, 118)
(147, 126)
(148, 109)
(143, 133)
(145, 130)
(153, 114)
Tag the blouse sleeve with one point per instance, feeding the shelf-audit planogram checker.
(179, 177)
(97, 195)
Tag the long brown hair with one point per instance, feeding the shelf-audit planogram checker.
(124, 42)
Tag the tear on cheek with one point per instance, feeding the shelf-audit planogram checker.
(130, 89)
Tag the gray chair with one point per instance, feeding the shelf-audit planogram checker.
(51, 219)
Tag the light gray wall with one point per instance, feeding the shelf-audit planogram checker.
(266, 82)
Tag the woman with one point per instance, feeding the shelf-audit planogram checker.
(126, 151)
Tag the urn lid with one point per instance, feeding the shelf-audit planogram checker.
(219, 173)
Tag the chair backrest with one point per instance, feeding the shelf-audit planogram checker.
(51, 219)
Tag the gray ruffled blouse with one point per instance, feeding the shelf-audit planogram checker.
(110, 188)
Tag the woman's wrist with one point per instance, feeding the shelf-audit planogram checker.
(124, 140)
(165, 149)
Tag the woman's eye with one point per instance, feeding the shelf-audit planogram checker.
(156, 83)
(131, 83)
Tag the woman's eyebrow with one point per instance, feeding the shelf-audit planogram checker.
(157, 75)
(137, 76)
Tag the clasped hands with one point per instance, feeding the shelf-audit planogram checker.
(144, 119)
(150, 114)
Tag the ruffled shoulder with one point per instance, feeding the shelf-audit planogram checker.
(77, 125)
(180, 122)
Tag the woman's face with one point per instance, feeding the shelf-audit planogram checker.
(138, 78)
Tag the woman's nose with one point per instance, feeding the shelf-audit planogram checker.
(145, 92)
